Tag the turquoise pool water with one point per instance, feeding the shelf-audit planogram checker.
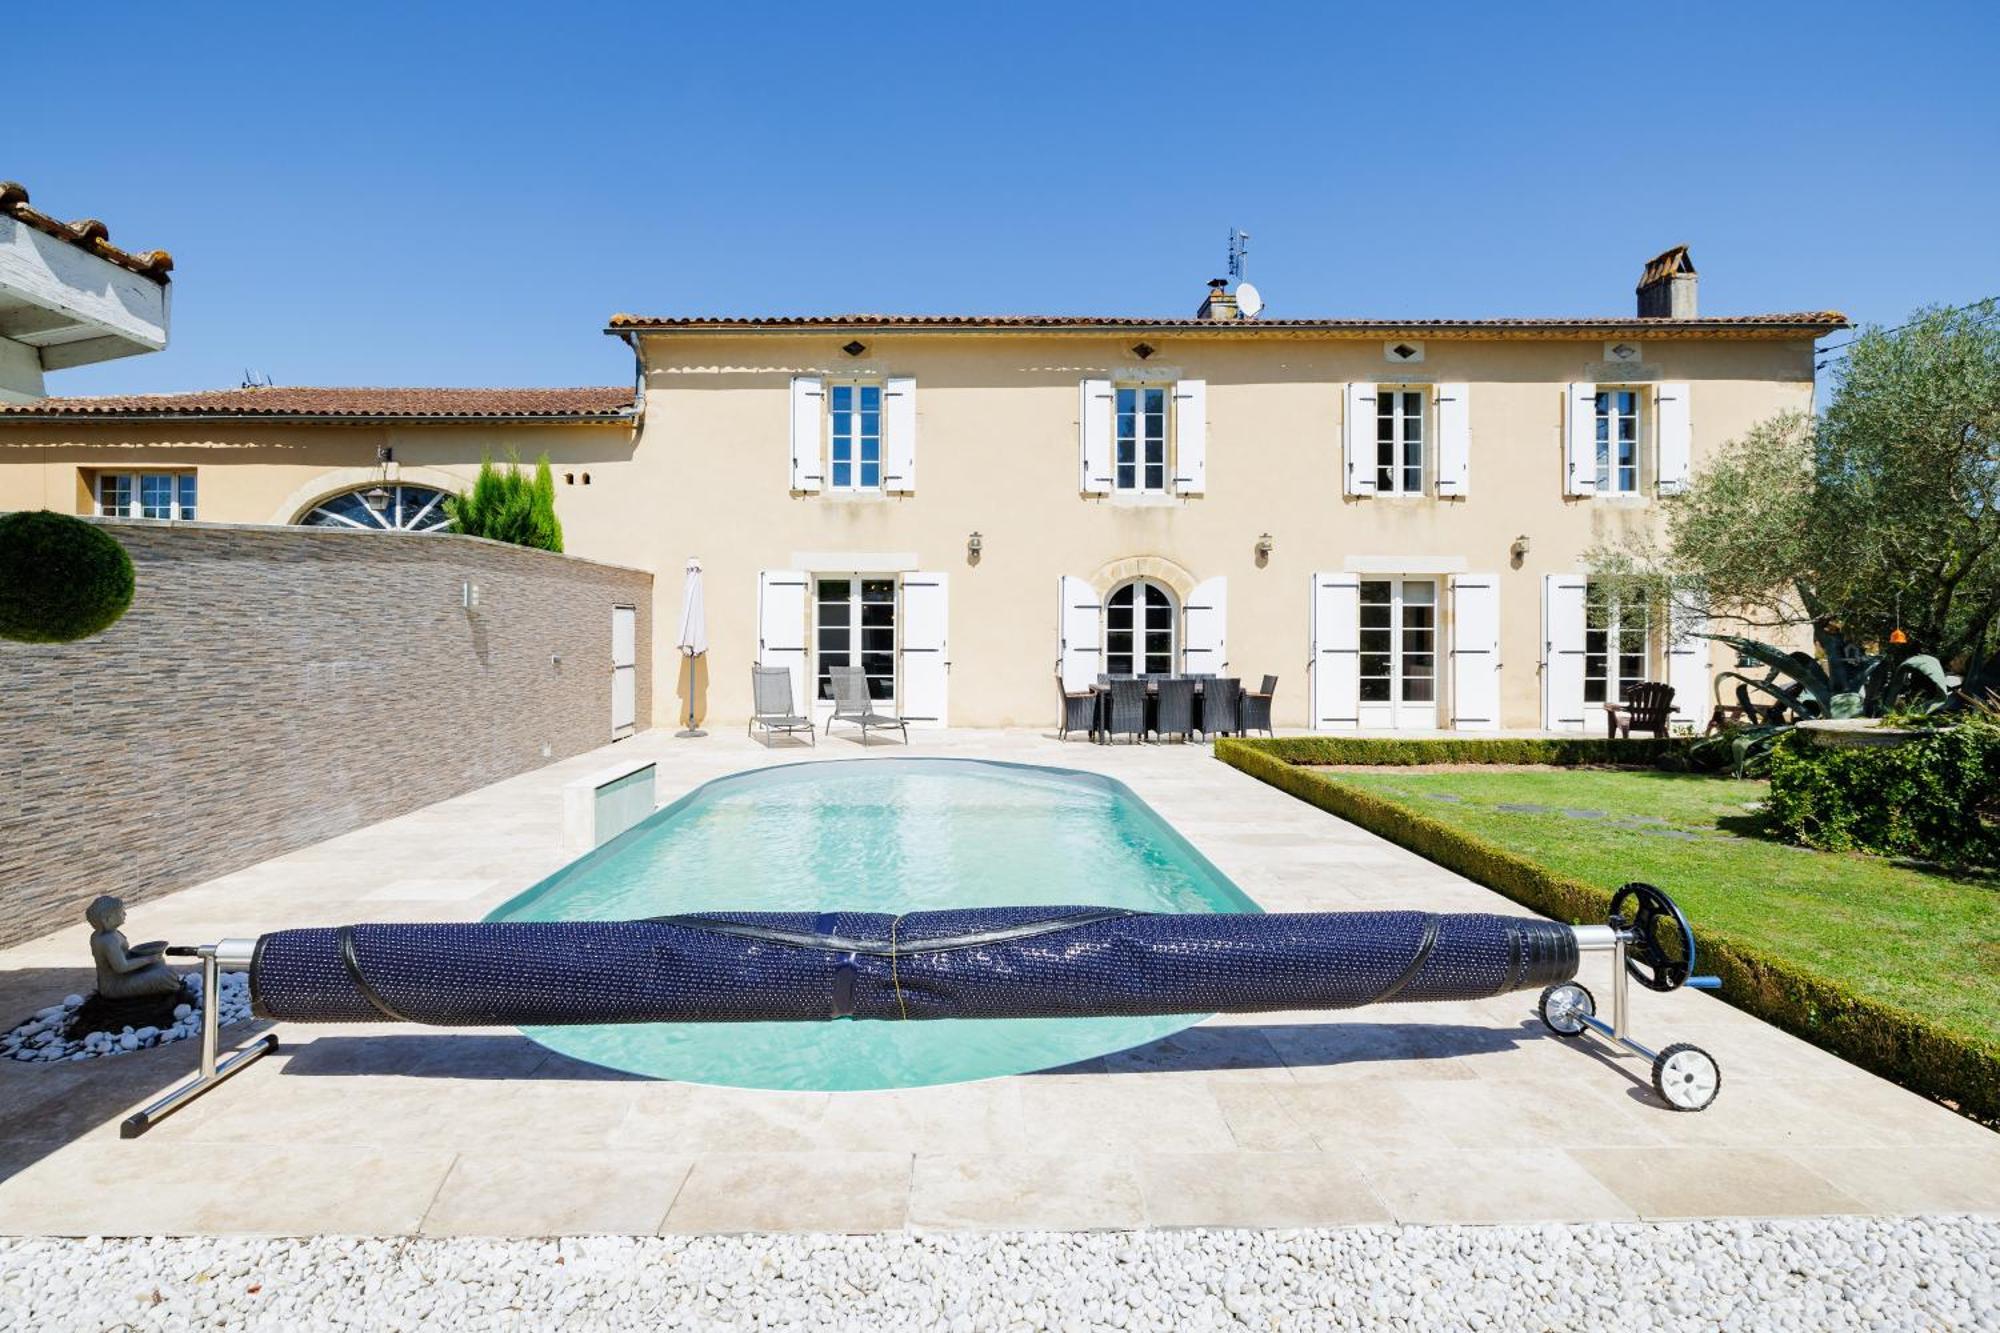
(883, 835)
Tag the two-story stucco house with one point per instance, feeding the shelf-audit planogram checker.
(1387, 515)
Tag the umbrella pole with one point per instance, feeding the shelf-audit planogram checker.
(690, 730)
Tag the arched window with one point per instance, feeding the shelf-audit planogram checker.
(1139, 630)
(381, 507)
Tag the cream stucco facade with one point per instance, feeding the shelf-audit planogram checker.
(707, 468)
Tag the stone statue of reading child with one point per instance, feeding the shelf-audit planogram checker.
(135, 987)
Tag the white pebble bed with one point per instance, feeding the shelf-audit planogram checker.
(41, 1037)
(1820, 1274)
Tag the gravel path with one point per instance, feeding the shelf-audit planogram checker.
(1833, 1273)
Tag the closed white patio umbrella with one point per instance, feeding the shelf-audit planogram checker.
(693, 641)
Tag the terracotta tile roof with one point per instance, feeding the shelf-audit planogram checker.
(592, 403)
(1814, 323)
(86, 234)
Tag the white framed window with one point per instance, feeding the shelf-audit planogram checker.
(146, 495)
(854, 624)
(1139, 630)
(1139, 437)
(1399, 441)
(854, 435)
(1617, 634)
(1617, 441)
(1398, 657)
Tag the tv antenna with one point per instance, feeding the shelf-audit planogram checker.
(1239, 254)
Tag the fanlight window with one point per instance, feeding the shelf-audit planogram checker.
(383, 507)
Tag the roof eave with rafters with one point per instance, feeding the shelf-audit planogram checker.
(1804, 324)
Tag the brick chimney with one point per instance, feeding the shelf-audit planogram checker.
(1220, 303)
(1667, 288)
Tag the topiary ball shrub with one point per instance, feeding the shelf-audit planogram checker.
(60, 578)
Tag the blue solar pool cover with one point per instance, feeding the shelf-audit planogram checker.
(1000, 962)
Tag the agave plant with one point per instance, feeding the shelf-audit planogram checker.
(1797, 686)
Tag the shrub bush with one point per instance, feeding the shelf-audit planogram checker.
(60, 578)
(1934, 797)
(1560, 751)
(1892, 1042)
(509, 505)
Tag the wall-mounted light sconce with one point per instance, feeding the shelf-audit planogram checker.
(385, 453)
(468, 594)
(974, 544)
(376, 498)
(1264, 546)
(569, 478)
(1520, 546)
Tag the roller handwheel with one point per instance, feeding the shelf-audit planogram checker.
(1660, 954)
(1564, 1006)
(1686, 1077)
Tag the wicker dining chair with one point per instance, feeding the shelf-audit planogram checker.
(1222, 706)
(1175, 715)
(1257, 708)
(1127, 714)
(1079, 712)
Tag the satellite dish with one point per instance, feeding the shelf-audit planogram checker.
(1248, 300)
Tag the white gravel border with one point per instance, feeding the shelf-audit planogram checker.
(40, 1039)
(1817, 1274)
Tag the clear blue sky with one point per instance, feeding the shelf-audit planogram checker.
(461, 194)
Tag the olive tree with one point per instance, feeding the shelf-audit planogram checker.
(1881, 514)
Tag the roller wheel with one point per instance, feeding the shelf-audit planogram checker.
(1661, 953)
(1686, 1077)
(1564, 1006)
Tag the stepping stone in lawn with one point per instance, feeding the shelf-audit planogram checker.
(1451, 797)
(1522, 808)
(1680, 834)
(1633, 821)
(1583, 814)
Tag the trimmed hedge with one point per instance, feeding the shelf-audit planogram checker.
(1896, 1044)
(1559, 751)
(1923, 798)
(61, 579)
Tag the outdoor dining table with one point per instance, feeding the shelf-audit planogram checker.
(1101, 695)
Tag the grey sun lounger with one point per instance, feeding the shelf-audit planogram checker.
(771, 698)
(852, 704)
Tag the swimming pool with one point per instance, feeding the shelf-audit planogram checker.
(882, 835)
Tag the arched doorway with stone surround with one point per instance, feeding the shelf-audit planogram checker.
(1140, 615)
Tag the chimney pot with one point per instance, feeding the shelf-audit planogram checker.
(1667, 288)
(1220, 303)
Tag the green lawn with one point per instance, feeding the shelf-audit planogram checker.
(1925, 942)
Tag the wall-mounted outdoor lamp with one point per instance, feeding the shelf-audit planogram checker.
(974, 544)
(376, 498)
(1264, 546)
(1520, 546)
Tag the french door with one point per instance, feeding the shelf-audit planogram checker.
(854, 624)
(1398, 659)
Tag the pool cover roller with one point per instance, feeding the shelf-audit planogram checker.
(994, 962)
(1001, 962)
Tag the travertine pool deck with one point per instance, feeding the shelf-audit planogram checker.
(1405, 1113)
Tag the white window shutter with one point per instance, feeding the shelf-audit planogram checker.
(808, 395)
(1688, 665)
(1094, 430)
(1357, 436)
(1676, 429)
(1475, 652)
(1454, 431)
(899, 434)
(1562, 651)
(1191, 437)
(1205, 629)
(1580, 440)
(1334, 675)
(781, 627)
(1079, 633)
(926, 649)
